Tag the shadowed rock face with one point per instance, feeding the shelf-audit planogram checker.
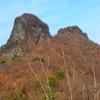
(30, 27)
(72, 30)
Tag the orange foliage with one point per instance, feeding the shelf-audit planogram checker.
(79, 53)
(2, 79)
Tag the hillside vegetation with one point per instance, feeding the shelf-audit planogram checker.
(63, 67)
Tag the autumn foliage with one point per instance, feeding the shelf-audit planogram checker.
(59, 69)
(2, 80)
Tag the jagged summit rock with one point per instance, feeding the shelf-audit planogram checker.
(72, 30)
(28, 26)
(28, 30)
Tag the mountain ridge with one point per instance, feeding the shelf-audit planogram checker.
(60, 67)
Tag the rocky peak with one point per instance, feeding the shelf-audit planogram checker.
(72, 30)
(28, 26)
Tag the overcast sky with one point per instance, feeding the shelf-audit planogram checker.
(56, 13)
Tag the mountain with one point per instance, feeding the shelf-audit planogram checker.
(37, 66)
(72, 30)
(29, 27)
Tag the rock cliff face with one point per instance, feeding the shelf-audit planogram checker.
(30, 27)
(72, 30)
(27, 27)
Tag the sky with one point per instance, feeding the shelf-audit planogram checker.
(56, 13)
